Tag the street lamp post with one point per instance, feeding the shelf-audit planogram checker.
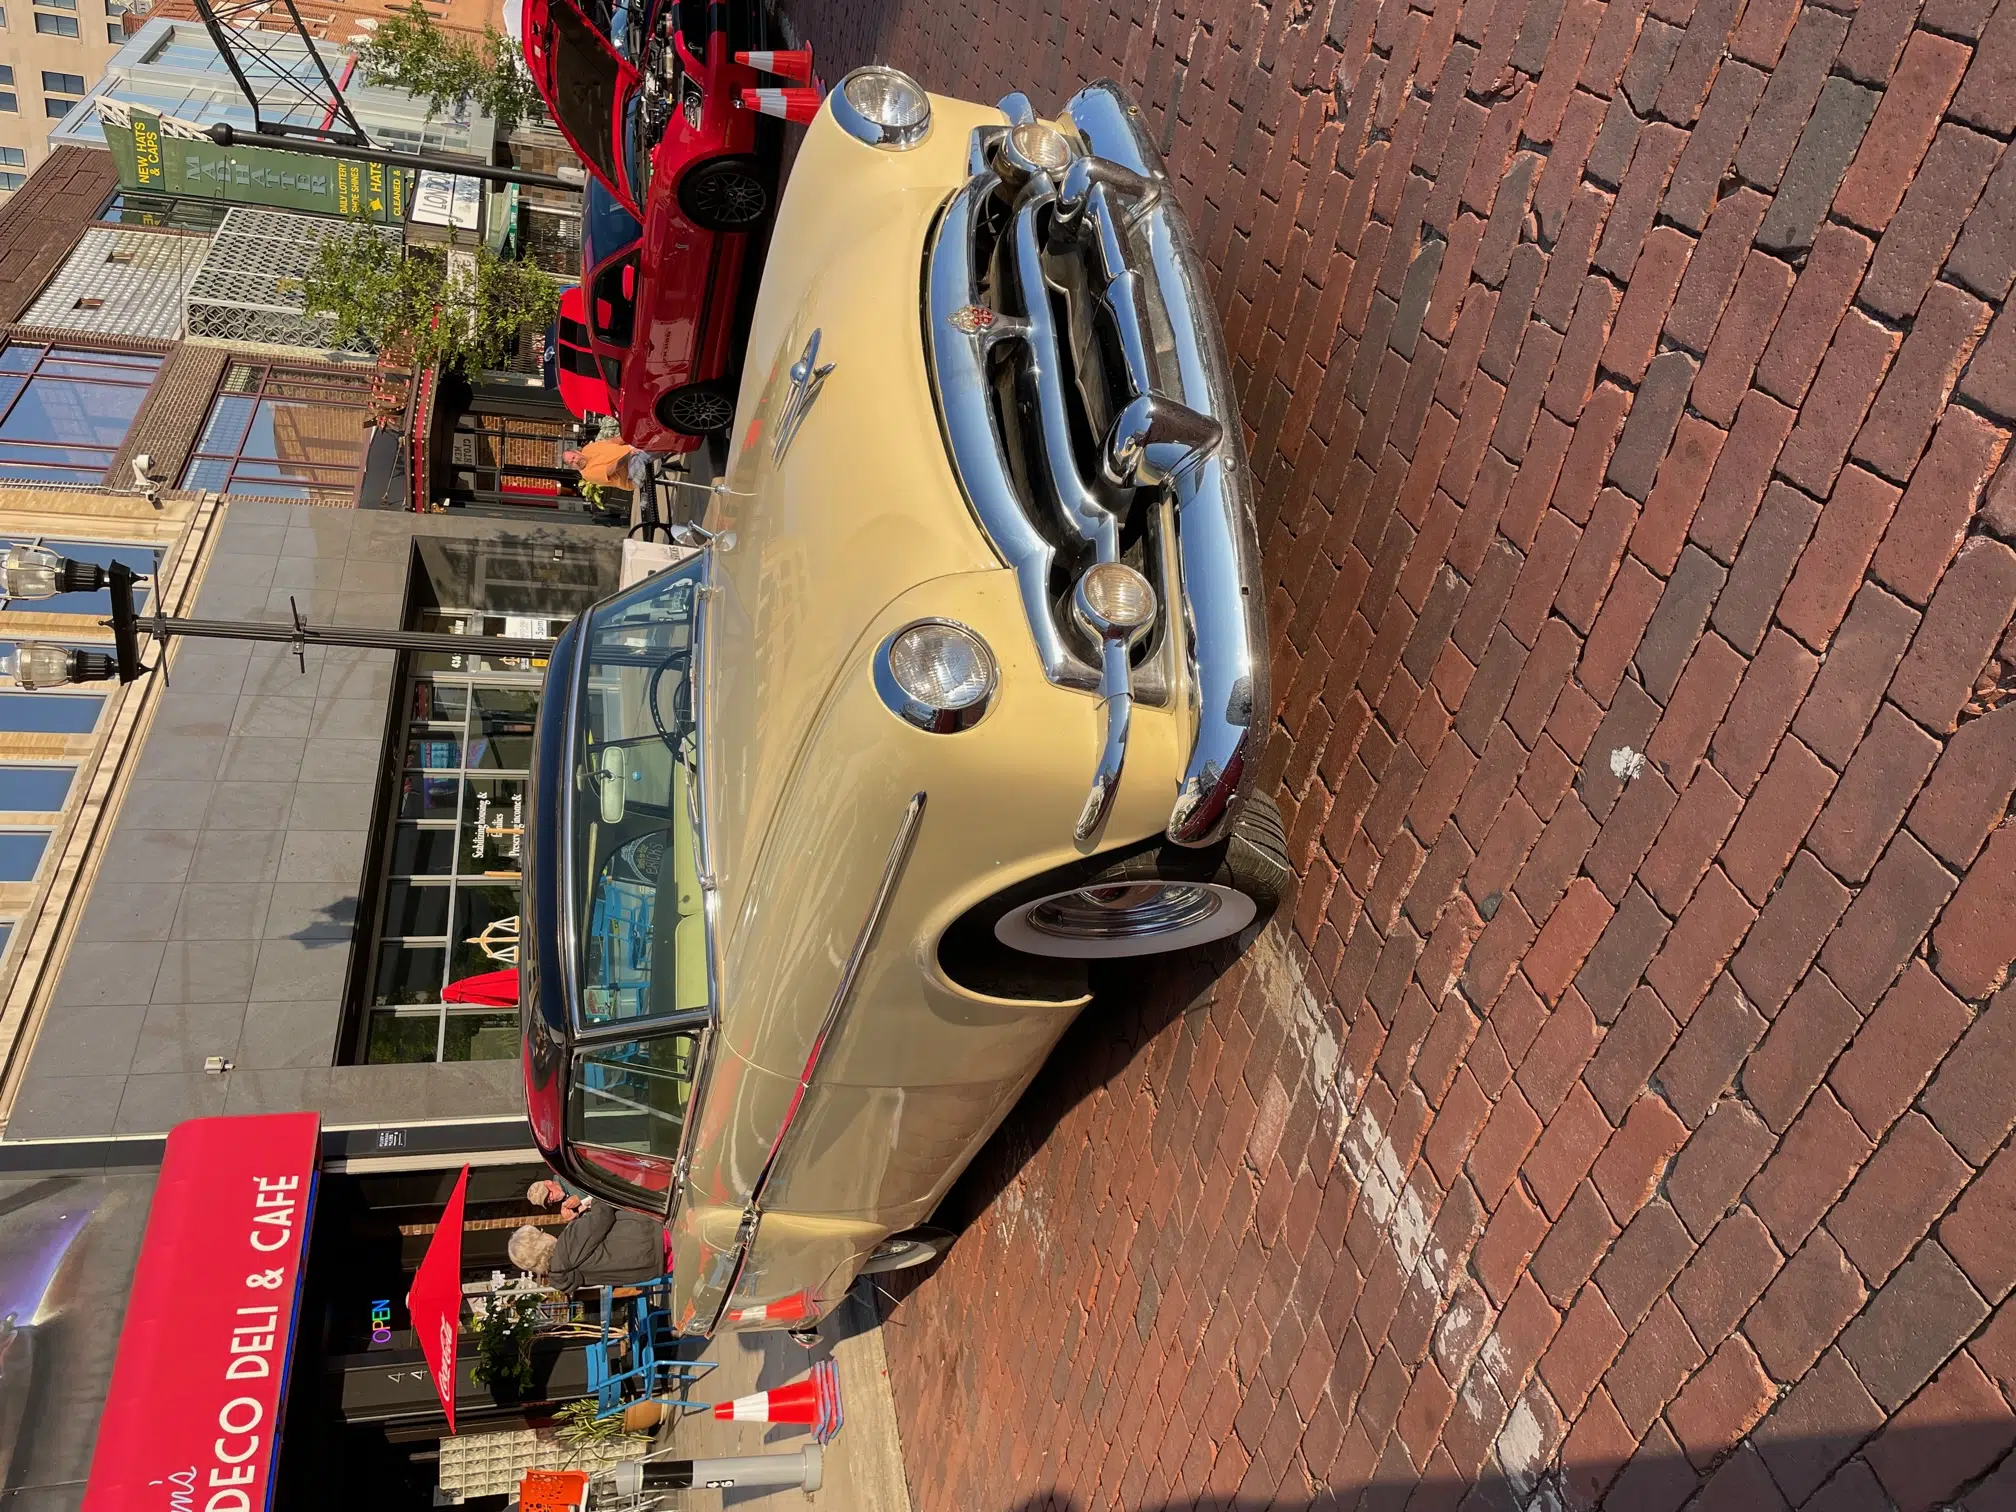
(35, 572)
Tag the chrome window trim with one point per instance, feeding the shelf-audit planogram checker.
(577, 1035)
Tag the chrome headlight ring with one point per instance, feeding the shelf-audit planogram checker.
(883, 107)
(938, 716)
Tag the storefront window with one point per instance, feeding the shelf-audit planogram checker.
(451, 901)
(447, 882)
(65, 411)
(287, 433)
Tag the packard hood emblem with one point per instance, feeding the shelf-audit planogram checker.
(972, 319)
(808, 377)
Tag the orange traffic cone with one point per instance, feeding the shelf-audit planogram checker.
(796, 1403)
(796, 105)
(793, 64)
(815, 1402)
(791, 1309)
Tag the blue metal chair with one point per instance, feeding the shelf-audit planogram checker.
(635, 1359)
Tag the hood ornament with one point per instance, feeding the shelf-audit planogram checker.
(808, 377)
(972, 319)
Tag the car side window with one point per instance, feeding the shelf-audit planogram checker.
(612, 303)
(630, 1103)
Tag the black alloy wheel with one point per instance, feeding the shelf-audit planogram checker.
(725, 194)
(698, 409)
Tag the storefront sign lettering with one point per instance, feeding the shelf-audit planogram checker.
(509, 838)
(381, 1323)
(202, 1366)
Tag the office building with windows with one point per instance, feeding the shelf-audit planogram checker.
(261, 876)
(51, 51)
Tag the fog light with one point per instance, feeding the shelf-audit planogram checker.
(1114, 602)
(883, 107)
(1027, 150)
(936, 675)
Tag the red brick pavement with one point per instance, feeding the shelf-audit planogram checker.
(1622, 1115)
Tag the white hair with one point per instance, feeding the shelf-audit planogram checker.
(536, 1193)
(531, 1249)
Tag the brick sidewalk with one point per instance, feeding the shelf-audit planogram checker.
(1623, 1110)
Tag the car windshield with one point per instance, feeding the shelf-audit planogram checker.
(587, 77)
(639, 916)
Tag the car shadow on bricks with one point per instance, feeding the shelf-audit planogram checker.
(1962, 1465)
(1132, 1003)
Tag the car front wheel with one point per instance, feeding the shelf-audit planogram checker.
(725, 194)
(1165, 898)
(908, 1250)
(697, 409)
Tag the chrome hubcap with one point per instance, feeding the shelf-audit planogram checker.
(1128, 910)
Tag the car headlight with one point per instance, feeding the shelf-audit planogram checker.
(883, 107)
(936, 675)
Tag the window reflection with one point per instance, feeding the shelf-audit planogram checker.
(285, 433)
(64, 411)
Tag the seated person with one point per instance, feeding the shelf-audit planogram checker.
(554, 1189)
(604, 1246)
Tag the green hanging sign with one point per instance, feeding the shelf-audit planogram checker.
(158, 162)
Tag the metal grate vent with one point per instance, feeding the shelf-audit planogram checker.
(248, 288)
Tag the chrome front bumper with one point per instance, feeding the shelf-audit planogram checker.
(1169, 429)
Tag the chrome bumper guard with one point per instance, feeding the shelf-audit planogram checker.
(1167, 426)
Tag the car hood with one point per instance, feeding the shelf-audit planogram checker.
(835, 519)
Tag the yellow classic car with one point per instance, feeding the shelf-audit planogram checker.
(966, 690)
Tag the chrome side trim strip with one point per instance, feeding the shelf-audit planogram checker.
(1217, 538)
(843, 995)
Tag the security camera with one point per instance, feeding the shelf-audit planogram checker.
(144, 479)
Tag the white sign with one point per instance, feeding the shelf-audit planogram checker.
(447, 199)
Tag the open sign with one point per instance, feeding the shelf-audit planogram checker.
(381, 1323)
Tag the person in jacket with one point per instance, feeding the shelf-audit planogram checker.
(604, 1246)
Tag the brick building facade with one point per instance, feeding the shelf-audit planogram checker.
(1622, 1114)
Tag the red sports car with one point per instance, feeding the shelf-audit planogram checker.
(582, 388)
(670, 143)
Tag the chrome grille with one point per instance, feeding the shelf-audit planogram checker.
(1071, 349)
(1088, 411)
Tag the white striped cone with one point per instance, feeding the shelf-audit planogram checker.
(793, 64)
(792, 1309)
(796, 1403)
(796, 105)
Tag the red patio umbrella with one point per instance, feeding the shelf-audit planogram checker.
(492, 989)
(434, 1301)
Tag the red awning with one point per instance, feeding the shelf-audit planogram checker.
(434, 1301)
(203, 1354)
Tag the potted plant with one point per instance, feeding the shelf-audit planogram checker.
(503, 1333)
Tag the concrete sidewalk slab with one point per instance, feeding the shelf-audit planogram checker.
(864, 1463)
